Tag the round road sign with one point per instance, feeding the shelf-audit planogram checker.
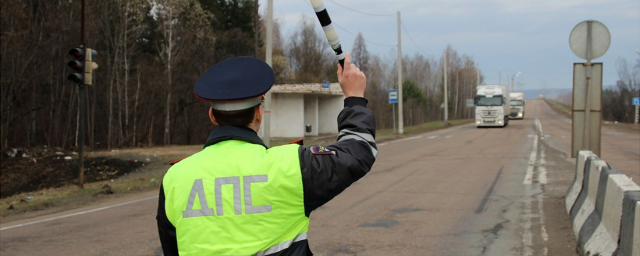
(600, 39)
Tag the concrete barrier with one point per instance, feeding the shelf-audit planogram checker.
(630, 227)
(605, 213)
(576, 185)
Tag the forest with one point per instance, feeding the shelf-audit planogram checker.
(151, 53)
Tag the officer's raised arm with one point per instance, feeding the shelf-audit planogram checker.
(326, 172)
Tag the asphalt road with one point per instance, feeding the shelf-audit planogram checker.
(457, 191)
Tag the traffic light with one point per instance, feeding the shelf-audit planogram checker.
(77, 65)
(82, 65)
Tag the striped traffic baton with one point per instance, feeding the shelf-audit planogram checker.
(329, 29)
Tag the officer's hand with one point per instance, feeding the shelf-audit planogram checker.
(351, 79)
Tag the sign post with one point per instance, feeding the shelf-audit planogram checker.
(636, 103)
(589, 40)
(393, 100)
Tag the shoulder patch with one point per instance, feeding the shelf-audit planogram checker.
(320, 150)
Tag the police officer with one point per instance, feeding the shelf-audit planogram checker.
(238, 197)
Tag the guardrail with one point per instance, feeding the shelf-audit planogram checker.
(604, 205)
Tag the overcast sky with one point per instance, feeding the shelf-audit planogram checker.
(504, 36)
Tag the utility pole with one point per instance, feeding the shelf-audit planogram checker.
(477, 74)
(400, 119)
(512, 80)
(446, 94)
(266, 136)
(255, 29)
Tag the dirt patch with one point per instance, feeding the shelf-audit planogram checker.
(32, 169)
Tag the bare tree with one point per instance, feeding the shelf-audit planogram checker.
(179, 21)
(308, 53)
(360, 55)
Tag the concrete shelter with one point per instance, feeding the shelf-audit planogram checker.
(294, 106)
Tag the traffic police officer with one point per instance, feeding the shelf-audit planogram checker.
(238, 197)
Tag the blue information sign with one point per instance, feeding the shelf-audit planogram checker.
(325, 84)
(636, 100)
(393, 96)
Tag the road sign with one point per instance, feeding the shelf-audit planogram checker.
(587, 109)
(325, 84)
(470, 103)
(589, 39)
(393, 96)
(636, 101)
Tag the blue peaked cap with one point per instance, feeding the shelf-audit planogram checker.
(235, 83)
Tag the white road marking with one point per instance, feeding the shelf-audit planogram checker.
(542, 176)
(432, 137)
(542, 179)
(539, 127)
(78, 213)
(400, 140)
(448, 136)
(532, 193)
(529, 176)
(527, 235)
(532, 161)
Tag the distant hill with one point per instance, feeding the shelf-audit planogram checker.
(548, 93)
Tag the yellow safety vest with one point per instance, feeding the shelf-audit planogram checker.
(236, 198)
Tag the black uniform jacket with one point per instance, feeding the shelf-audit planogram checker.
(326, 172)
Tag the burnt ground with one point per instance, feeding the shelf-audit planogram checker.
(31, 169)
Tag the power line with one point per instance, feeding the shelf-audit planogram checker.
(361, 12)
(414, 42)
(344, 29)
(385, 15)
(379, 44)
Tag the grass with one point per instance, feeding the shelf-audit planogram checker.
(150, 177)
(73, 195)
(430, 126)
(562, 108)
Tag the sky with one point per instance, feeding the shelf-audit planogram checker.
(504, 36)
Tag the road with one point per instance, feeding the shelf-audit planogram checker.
(457, 191)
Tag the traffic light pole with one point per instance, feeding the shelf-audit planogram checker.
(82, 113)
(81, 110)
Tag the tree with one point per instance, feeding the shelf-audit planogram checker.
(151, 53)
(415, 101)
(360, 54)
(308, 53)
(617, 100)
(234, 26)
(181, 23)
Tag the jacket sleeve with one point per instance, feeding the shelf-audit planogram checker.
(166, 230)
(326, 172)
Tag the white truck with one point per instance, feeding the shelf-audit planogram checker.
(517, 105)
(492, 105)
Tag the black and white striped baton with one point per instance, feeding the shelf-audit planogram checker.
(329, 30)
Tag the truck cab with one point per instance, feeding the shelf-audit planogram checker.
(517, 105)
(492, 106)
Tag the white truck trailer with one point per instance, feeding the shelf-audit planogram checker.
(492, 105)
(517, 105)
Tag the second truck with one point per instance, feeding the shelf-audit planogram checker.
(517, 105)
